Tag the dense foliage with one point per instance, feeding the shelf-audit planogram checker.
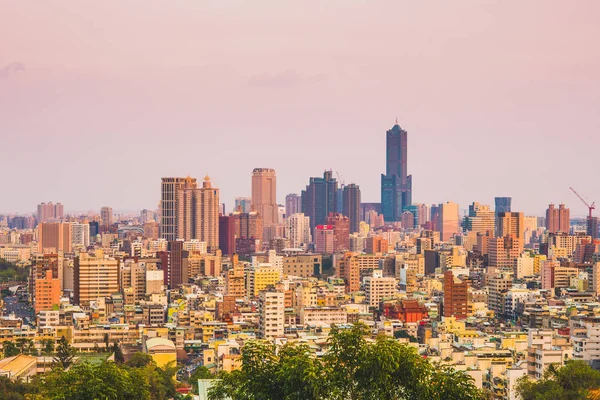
(575, 381)
(353, 368)
(10, 272)
(103, 381)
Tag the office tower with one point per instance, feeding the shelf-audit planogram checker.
(106, 215)
(243, 204)
(320, 198)
(396, 184)
(48, 212)
(168, 205)
(94, 229)
(264, 195)
(339, 198)
(455, 296)
(43, 266)
(297, 230)
(558, 219)
(510, 223)
(481, 219)
(95, 277)
(408, 220)
(503, 204)
(226, 234)
(324, 239)
(366, 208)
(351, 205)
(54, 236)
(146, 216)
(341, 231)
(177, 271)
(448, 224)
(80, 235)
(293, 204)
(270, 314)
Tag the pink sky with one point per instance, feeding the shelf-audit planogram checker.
(499, 98)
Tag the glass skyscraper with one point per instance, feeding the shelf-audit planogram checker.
(396, 184)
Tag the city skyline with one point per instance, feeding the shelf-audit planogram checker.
(332, 90)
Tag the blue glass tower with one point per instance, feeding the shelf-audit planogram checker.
(396, 184)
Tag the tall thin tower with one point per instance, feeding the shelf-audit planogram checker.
(264, 195)
(396, 184)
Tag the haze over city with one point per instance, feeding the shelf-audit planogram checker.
(98, 102)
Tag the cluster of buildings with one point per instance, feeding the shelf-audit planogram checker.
(497, 294)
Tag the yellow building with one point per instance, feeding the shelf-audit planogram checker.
(263, 277)
(162, 351)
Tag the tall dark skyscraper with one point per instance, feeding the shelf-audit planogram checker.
(351, 205)
(320, 198)
(502, 204)
(396, 184)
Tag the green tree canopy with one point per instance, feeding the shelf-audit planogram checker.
(353, 368)
(64, 353)
(575, 381)
(139, 360)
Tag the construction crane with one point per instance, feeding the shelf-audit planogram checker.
(591, 207)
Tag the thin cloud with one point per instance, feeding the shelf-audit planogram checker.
(286, 78)
(11, 69)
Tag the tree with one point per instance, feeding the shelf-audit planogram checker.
(64, 353)
(353, 368)
(48, 346)
(200, 372)
(576, 380)
(106, 381)
(140, 360)
(119, 358)
(15, 390)
(10, 349)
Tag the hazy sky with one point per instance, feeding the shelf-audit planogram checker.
(98, 100)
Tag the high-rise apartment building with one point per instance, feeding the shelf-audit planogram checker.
(297, 229)
(341, 231)
(54, 236)
(351, 205)
(396, 184)
(456, 293)
(558, 219)
(510, 223)
(247, 226)
(293, 204)
(80, 235)
(481, 219)
(106, 215)
(378, 288)
(197, 212)
(503, 251)
(324, 239)
(243, 204)
(448, 224)
(169, 206)
(95, 277)
(47, 293)
(320, 198)
(49, 211)
(270, 314)
(264, 195)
